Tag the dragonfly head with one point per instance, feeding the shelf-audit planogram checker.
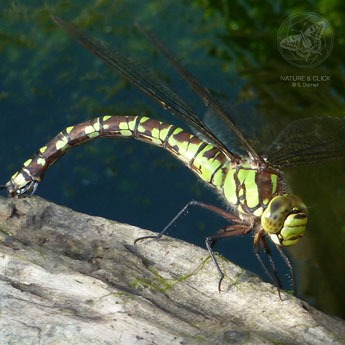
(285, 219)
(21, 184)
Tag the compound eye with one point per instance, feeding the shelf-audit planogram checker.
(275, 214)
(285, 219)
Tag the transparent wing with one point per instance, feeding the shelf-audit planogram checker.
(308, 141)
(203, 93)
(145, 81)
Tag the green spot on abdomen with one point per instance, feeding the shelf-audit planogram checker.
(62, 144)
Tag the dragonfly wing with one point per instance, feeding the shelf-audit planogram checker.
(145, 80)
(308, 141)
(203, 93)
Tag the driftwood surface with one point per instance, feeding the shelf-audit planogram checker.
(69, 278)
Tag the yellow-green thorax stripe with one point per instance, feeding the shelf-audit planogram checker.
(250, 188)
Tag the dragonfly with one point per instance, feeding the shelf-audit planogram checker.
(252, 185)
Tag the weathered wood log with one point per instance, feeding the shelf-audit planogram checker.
(70, 278)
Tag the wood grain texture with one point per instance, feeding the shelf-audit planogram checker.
(69, 278)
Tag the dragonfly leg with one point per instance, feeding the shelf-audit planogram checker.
(209, 245)
(239, 228)
(229, 231)
(288, 263)
(214, 209)
(158, 236)
(260, 242)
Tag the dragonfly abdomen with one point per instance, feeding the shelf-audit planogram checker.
(246, 188)
(203, 158)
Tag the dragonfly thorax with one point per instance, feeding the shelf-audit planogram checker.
(250, 188)
(285, 219)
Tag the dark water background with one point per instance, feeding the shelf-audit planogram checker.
(49, 82)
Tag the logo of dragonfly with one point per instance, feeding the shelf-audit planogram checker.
(305, 40)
